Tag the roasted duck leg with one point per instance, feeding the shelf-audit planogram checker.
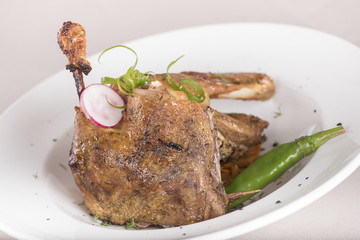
(237, 133)
(161, 164)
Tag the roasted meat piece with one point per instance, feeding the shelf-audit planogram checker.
(237, 133)
(159, 166)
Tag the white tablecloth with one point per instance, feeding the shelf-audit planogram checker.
(30, 54)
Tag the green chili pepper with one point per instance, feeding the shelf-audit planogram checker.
(274, 163)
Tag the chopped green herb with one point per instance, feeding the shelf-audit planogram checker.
(96, 217)
(131, 225)
(36, 176)
(105, 223)
(216, 116)
(278, 113)
(222, 78)
(263, 138)
(82, 203)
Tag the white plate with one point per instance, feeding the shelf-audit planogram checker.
(317, 78)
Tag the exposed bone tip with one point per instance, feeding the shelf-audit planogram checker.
(72, 42)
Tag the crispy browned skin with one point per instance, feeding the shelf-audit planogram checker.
(72, 42)
(160, 165)
(237, 133)
(248, 127)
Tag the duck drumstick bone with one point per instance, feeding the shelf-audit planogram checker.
(72, 42)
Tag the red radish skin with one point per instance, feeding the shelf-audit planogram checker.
(94, 103)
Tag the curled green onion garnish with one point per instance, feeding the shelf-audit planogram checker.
(196, 86)
(118, 107)
(222, 78)
(171, 82)
(200, 98)
(123, 46)
(131, 79)
(134, 78)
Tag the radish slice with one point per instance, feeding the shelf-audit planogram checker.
(94, 103)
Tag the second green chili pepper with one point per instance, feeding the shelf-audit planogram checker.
(274, 163)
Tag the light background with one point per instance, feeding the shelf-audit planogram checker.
(30, 54)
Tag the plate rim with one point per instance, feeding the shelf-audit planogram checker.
(355, 161)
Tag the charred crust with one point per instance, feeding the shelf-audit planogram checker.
(128, 178)
(71, 67)
(84, 67)
(146, 133)
(66, 26)
(128, 159)
(172, 145)
(73, 164)
(131, 111)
